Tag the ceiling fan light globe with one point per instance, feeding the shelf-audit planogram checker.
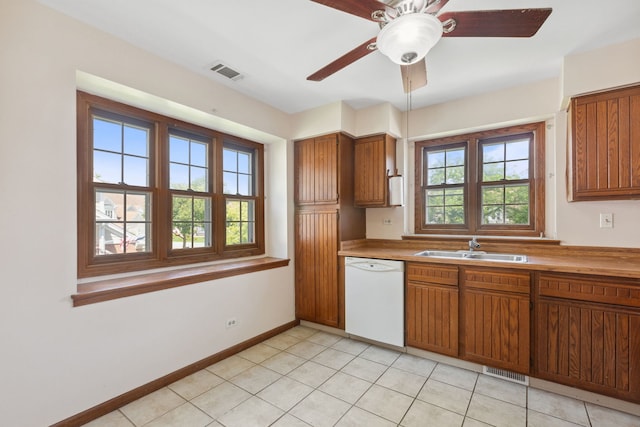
(408, 38)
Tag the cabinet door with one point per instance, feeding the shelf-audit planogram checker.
(432, 317)
(326, 269)
(326, 169)
(304, 171)
(606, 145)
(496, 329)
(316, 269)
(374, 159)
(305, 265)
(589, 346)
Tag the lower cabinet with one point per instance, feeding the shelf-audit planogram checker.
(432, 308)
(496, 312)
(587, 344)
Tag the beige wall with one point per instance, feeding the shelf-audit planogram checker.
(58, 360)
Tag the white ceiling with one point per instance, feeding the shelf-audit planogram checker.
(276, 44)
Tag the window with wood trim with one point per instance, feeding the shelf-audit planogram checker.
(486, 183)
(154, 191)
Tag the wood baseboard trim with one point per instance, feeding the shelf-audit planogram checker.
(132, 395)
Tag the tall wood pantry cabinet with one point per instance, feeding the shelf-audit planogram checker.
(324, 216)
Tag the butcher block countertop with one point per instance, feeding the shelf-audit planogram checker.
(543, 254)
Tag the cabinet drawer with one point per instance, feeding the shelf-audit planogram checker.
(429, 273)
(612, 291)
(498, 280)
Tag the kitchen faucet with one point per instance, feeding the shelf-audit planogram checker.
(473, 244)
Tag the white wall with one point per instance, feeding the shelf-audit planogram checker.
(57, 360)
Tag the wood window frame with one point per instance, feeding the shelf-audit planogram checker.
(473, 183)
(161, 254)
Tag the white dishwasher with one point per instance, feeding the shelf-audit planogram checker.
(374, 299)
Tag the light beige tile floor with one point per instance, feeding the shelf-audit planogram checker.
(304, 377)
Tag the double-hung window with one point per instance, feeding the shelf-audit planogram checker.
(488, 182)
(155, 191)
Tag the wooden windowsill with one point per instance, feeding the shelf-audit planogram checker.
(109, 289)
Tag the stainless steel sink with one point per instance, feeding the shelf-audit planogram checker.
(480, 255)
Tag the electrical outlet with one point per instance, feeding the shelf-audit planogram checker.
(386, 221)
(606, 220)
(231, 322)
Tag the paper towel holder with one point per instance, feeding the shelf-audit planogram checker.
(396, 189)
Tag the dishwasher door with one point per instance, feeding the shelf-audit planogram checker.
(374, 299)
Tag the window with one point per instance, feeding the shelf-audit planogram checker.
(154, 191)
(487, 183)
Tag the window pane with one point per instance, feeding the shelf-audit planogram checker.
(191, 222)
(517, 194)
(123, 221)
(493, 214)
(107, 135)
(493, 195)
(435, 215)
(240, 219)
(517, 169)
(188, 164)
(230, 160)
(136, 171)
(198, 154)
(244, 162)
(455, 157)
(238, 172)
(243, 185)
(493, 172)
(135, 141)
(435, 177)
(455, 175)
(230, 183)
(517, 214)
(178, 149)
(435, 159)
(454, 197)
(435, 198)
(518, 149)
(198, 179)
(492, 153)
(454, 215)
(178, 176)
(107, 167)
(117, 144)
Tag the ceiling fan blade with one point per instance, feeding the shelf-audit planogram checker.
(435, 7)
(495, 23)
(414, 76)
(343, 61)
(361, 8)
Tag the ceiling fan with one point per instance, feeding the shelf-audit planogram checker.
(409, 28)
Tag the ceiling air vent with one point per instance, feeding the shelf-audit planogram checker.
(226, 71)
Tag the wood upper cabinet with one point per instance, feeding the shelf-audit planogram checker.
(605, 150)
(432, 308)
(581, 341)
(496, 318)
(374, 160)
(316, 170)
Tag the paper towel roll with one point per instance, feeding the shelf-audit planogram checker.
(395, 191)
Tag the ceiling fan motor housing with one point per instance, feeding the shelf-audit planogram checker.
(408, 38)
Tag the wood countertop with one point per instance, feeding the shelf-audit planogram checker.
(615, 262)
